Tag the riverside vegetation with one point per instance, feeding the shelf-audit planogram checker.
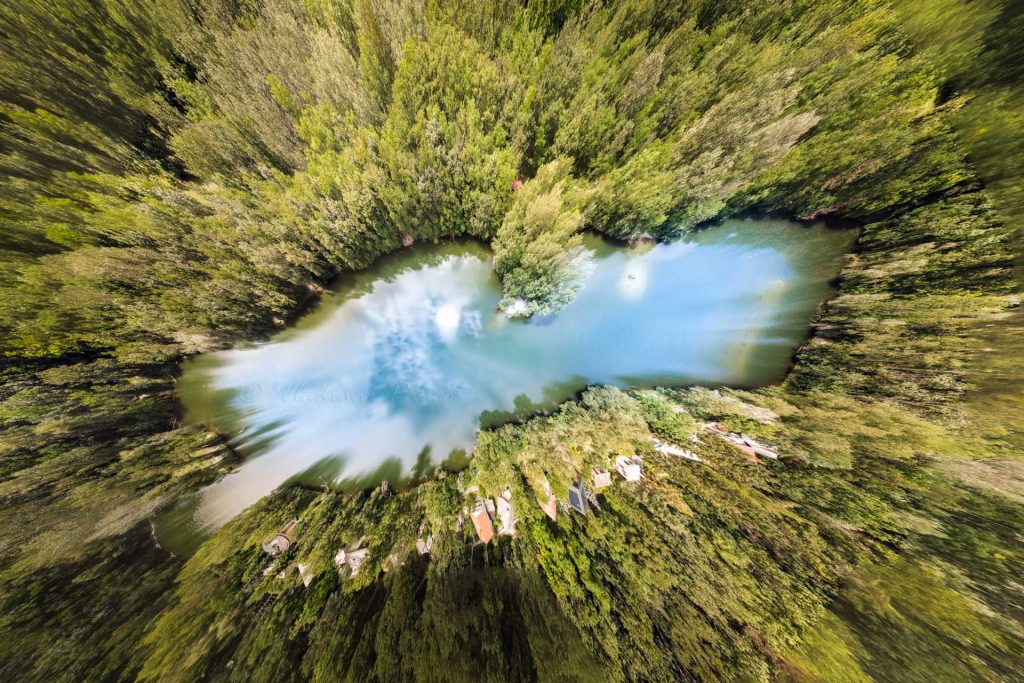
(177, 176)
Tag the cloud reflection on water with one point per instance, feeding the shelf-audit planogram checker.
(413, 360)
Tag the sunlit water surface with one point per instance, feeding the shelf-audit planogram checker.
(403, 363)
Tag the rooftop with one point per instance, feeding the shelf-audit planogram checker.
(424, 546)
(550, 507)
(677, 451)
(629, 468)
(507, 515)
(482, 522)
(578, 498)
(283, 540)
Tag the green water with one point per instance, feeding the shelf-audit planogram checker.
(400, 365)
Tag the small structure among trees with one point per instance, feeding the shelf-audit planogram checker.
(283, 540)
(602, 477)
(578, 497)
(759, 448)
(549, 506)
(666, 448)
(629, 468)
(424, 546)
(742, 442)
(481, 517)
(354, 558)
(305, 574)
(506, 512)
(393, 562)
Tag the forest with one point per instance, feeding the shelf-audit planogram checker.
(178, 176)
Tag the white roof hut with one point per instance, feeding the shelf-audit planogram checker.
(507, 515)
(305, 574)
(424, 546)
(602, 477)
(517, 309)
(629, 468)
(353, 558)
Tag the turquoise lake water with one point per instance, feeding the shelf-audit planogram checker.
(404, 362)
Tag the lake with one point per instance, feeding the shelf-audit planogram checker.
(398, 366)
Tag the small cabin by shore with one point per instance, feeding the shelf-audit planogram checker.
(519, 308)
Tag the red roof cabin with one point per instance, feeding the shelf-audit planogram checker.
(482, 522)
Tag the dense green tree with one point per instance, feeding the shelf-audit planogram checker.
(538, 251)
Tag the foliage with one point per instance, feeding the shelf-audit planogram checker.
(176, 176)
(538, 251)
